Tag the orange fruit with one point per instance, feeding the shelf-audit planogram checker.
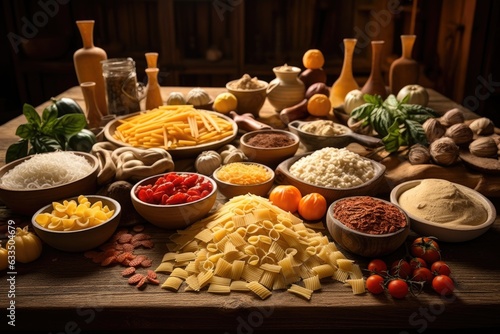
(286, 197)
(225, 102)
(313, 59)
(312, 206)
(319, 105)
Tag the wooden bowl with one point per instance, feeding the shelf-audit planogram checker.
(249, 100)
(365, 244)
(27, 201)
(230, 190)
(269, 156)
(80, 240)
(371, 187)
(174, 216)
(443, 232)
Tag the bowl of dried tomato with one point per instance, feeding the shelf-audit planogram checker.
(174, 200)
(269, 146)
(367, 226)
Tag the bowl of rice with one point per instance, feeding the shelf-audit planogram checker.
(332, 172)
(241, 178)
(29, 183)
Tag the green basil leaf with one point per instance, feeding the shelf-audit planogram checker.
(391, 140)
(405, 99)
(416, 132)
(49, 114)
(26, 131)
(69, 124)
(381, 120)
(363, 111)
(31, 114)
(43, 144)
(17, 151)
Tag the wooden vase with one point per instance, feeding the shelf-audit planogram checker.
(404, 70)
(153, 93)
(92, 112)
(345, 82)
(375, 83)
(152, 59)
(87, 62)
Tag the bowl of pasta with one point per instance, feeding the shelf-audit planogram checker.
(367, 226)
(77, 224)
(241, 178)
(28, 183)
(174, 200)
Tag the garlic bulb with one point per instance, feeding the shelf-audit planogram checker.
(419, 154)
(482, 126)
(452, 116)
(207, 162)
(433, 129)
(444, 151)
(198, 97)
(175, 98)
(460, 133)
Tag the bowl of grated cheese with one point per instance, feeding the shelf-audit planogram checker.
(332, 172)
(241, 178)
(29, 183)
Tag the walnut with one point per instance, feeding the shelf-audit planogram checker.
(433, 129)
(460, 133)
(452, 116)
(419, 154)
(444, 151)
(483, 147)
(482, 126)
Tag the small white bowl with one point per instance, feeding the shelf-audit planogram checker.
(447, 233)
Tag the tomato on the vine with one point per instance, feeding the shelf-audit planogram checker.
(440, 268)
(426, 248)
(417, 262)
(377, 266)
(397, 288)
(375, 284)
(422, 274)
(400, 268)
(443, 285)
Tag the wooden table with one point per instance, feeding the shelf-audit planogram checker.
(65, 292)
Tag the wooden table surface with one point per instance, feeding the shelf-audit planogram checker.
(65, 292)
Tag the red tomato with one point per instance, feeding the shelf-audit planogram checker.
(375, 284)
(377, 266)
(400, 268)
(286, 197)
(422, 274)
(440, 268)
(312, 206)
(397, 288)
(443, 285)
(426, 248)
(417, 262)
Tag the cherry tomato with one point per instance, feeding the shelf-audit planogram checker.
(426, 248)
(400, 268)
(440, 268)
(375, 284)
(417, 262)
(422, 274)
(312, 206)
(397, 288)
(377, 266)
(443, 285)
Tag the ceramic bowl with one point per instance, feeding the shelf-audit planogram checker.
(442, 232)
(80, 240)
(269, 156)
(173, 216)
(371, 187)
(365, 244)
(249, 100)
(314, 142)
(27, 201)
(230, 190)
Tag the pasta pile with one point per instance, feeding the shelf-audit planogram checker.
(73, 216)
(249, 244)
(173, 127)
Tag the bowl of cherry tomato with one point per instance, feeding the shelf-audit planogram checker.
(174, 200)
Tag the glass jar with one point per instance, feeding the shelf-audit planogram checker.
(122, 90)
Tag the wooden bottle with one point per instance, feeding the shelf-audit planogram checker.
(345, 82)
(93, 114)
(152, 59)
(87, 62)
(153, 93)
(404, 70)
(375, 83)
